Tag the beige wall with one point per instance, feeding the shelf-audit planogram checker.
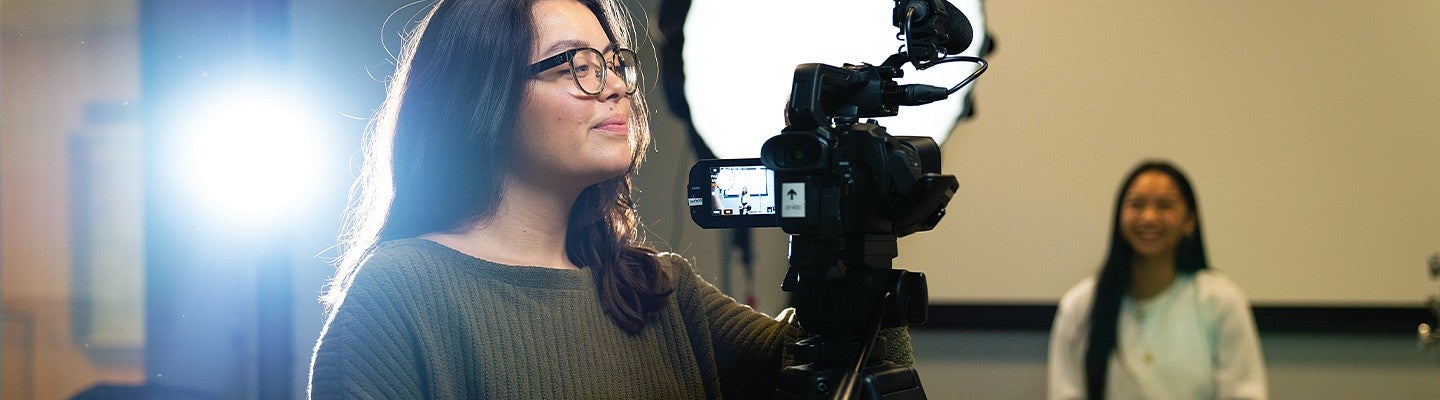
(55, 57)
(1308, 128)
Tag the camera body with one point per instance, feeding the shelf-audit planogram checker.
(826, 173)
(845, 191)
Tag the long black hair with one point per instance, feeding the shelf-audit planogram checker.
(1115, 274)
(437, 150)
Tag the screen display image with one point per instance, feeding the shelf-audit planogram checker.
(741, 190)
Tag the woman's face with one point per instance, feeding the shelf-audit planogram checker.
(568, 138)
(1154, 216)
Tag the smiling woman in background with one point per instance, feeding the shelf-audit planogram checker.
(1156, 323)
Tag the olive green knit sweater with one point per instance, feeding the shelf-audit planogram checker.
(424, 321)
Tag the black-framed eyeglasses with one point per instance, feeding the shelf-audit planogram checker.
(589, 68)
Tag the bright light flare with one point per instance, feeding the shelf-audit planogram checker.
(254, 157)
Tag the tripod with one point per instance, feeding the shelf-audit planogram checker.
(845, 298)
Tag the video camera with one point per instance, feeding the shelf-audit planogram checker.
(886, 179)
(845, 190)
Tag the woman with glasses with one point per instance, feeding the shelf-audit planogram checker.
(494, 251)
(1156, 322)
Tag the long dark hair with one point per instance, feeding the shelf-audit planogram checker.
(437, 150)
(1115, 274)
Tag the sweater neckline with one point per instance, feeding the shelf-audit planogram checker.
(520, 275)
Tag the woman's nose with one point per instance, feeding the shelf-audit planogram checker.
(1152, 214)
(614, 87)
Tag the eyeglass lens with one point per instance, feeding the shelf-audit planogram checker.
(588, 68)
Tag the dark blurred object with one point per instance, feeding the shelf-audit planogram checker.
(1428, 337)
(105, 391)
